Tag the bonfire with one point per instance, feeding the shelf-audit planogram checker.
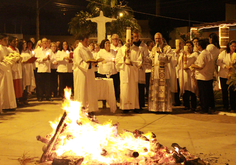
(79, 138)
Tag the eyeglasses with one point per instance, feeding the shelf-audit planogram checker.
(115, 38)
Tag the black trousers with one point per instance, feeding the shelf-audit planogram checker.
(44, 82)
(36, 82)
(206, 94)
(65, 80)
(141, 91)
(54, 82)
(148, 75)
(116, 82)
(186, 98)
(228, 93)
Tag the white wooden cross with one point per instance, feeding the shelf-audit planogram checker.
(101, 21)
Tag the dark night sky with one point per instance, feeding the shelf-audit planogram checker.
(19, 16)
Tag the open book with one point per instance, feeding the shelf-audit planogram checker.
(94, 60)
(32, 59)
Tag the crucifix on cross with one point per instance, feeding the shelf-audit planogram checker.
(101, 21)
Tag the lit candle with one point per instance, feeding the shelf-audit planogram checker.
(177, 41)
(33, 52)
(128, 35)
(47, 53)
(67, 52)
(186, 49)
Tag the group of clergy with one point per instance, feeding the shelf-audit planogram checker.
(187, 71)
(154, 70)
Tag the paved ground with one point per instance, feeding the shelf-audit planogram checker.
(211, 137)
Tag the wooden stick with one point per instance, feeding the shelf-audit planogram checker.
(54, 138)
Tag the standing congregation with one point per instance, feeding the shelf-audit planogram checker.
(151, 74)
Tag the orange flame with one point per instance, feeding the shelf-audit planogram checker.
(98, 143)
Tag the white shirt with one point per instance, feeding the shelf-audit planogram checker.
(54, 59)
(115, 48)
(44, 66)
(107, 66)
(64, 65)
(16, 67)
(205, 61)
(214, 51)
(224, 60)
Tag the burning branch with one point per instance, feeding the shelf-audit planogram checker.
(54, 138)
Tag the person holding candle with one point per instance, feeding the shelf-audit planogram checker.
(225, 62)
(186, 76)
(64, 68)
(204, 69)
(159, 91)
(7, 94)
(107, 68)
(115, 42)
(28, 80)
(84, 78)
(44, 56)
(128, 60)
(54, 65)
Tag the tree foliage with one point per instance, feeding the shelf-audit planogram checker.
(79, 24)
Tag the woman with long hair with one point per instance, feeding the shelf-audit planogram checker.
(64, 68)
(28, 80)
(187, 81)
(214, 46)
(225, 63)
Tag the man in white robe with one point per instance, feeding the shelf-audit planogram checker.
(7, 94)
(85, 89)
(145, 61)
(129, 97)
(159, 90)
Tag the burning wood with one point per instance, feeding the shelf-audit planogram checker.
(42, 139)
(53, 139)
(80, 139)
(68, 161)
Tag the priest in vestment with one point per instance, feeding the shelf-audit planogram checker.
(129, 96)
(159, 91)
(85, 89)
(7, 94)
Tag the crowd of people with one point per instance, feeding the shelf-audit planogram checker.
(152, 72)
